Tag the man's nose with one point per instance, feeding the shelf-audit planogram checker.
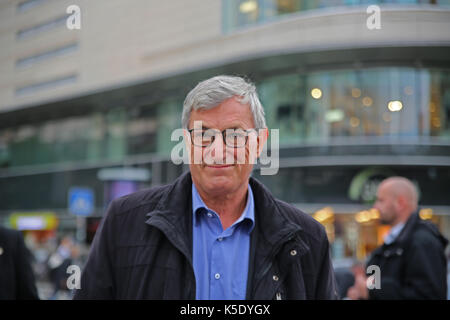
(376, 206)
(218, 149)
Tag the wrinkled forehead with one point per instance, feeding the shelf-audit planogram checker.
(229, 114)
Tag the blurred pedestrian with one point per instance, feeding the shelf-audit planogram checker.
(58, 263)
(411, 260)
(17, 281)
(215, 233)
(448, 275)
(344, 280)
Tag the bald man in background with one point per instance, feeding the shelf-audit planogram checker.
(412, 260)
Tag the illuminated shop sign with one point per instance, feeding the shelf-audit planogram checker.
(33, 220)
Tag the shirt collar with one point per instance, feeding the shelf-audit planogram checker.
(393, 233)
(248, 213)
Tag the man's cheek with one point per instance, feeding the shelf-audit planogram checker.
(240, 156)
(230, 156)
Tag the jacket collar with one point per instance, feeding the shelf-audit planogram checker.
(409, 226)
(402, 240)
(274, 225)
(412, 223)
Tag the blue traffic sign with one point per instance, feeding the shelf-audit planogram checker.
(81, 201)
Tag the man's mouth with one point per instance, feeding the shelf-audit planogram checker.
(220, 166)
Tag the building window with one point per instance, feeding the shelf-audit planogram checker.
(57, 82)
(241, 13)
(42, 27)
(379, 105)
(141, 129)
(371, 102)
(28, 61)
(169, 119)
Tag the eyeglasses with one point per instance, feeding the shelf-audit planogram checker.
(234, 138)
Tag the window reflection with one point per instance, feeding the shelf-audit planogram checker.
(141, 130)
(406, 103)
(238, 13)
(378, 102)
(111, 135)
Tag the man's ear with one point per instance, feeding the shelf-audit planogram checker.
(402, 202)
(263, 135)
(187, 138)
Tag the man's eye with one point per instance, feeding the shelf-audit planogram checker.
(198, 134)
(207, 135)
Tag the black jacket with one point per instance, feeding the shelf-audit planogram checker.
(143, 249)
(414, 265)
(16, 275)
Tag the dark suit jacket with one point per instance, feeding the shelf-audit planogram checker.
(16, 276)
(414, 265)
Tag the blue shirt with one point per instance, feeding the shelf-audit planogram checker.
(221, 257)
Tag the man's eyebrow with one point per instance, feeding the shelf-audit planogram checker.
(229, 128)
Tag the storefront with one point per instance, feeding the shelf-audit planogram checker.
(341, 199)
(356, 235)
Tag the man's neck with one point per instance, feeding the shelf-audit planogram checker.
(401, 220)
(229, 207)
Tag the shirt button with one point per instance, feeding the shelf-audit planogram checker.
(275, 277)
(220, 238)
(293, 252)
(217, 276)
(210, 214)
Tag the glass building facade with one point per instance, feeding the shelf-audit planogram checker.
(321, 114)
(308, 108)
(97, 136)
(374, 102)
(243, 13)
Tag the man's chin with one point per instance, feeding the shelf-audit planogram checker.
(217, 183)
(219, 169)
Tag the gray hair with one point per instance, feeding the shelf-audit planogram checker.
(212, 92)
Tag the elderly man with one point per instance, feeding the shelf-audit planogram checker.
(412, 261)
(215, 233)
